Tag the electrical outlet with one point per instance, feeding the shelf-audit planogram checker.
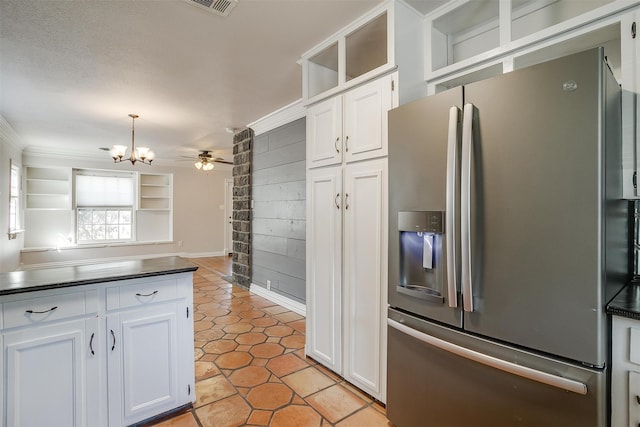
(268, 285)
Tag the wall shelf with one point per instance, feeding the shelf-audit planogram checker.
(47, 188)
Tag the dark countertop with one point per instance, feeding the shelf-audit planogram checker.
(627, 302)
(51, 278)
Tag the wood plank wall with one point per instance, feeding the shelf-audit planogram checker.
(279, 194)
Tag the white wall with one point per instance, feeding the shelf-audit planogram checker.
(198, 213)
(10, 150)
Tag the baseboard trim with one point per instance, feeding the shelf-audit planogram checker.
(279, 299)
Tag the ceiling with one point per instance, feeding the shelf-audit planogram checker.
(71, 71)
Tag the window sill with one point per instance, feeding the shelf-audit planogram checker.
(13, 234)
(97, 246)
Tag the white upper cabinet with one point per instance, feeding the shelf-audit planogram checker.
(387, 38)
(324, 128)
(365, 123)
(352, 126)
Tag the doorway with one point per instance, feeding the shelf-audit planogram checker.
(228, 216)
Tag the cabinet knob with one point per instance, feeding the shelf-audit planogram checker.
(638, 402)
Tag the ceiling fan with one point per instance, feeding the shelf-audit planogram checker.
(206, 160)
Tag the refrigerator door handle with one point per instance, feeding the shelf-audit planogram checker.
(494, 362)
(450, 218)
(465, 207)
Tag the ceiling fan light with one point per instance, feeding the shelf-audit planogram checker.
(208, 166)
(198, 164)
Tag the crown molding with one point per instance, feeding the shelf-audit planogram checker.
(9, 136)
(283, 116)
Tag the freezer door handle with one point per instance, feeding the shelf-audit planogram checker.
(450, 219)
(494, 362)
(465, 206)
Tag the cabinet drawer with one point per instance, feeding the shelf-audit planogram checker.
(43, 309)
(141, 293)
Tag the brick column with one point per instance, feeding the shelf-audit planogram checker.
(242, 158)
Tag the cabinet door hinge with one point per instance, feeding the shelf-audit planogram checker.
(189, 389)
(393, 85)
(633, 30)
(187, 312)
(635, 179)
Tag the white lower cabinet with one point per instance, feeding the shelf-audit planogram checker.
(625, 372)
(346, 271)
(109, 354)
(46, 374)
(142, 363)
(149, 348)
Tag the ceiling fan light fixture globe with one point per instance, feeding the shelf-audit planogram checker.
(198, 165)
(208, 166)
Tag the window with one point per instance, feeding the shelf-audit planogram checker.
(104, 206)
(14, 200)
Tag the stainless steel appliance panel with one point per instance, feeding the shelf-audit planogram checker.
(417, 182)
(537, 216)
(431, 386)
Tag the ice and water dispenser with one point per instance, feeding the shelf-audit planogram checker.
(422, 255)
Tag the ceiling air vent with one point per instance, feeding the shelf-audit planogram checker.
(219, 7)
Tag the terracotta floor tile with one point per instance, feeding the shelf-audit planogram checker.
(230, 412)
(251, 314)
(234, 360)
(367, 417)
(276, 309)
(288, 317)
(251, 338)
(249, 376)
(264, 321)
(286, 364)
(293, 341)
(278, 331)
(205, 370)
(197, 353)
(308, 381)
(273, 339)
(296, 416)
(299, 325)
(213, 389)
(335, 403)
(227, 320)
(202, 325)
(266, 350)
(220, 346)
(209, 335)
(208, 357)
(237, 328)
(269, 396)
(257, 361)
(184, 420)
(259, 418)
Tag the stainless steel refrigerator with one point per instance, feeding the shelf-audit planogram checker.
(507, 236)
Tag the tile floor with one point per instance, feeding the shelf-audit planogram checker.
(251, 369)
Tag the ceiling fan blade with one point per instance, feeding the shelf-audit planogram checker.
(219, 160)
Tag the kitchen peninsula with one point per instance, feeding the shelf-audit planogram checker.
(108, 344)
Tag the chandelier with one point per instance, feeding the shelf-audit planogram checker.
(140, 154)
